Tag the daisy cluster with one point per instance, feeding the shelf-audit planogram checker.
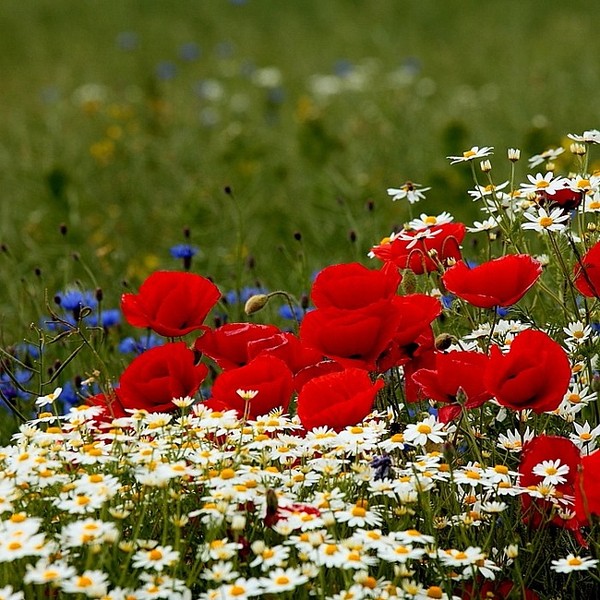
(205, 505)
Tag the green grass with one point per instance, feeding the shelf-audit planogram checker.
(496, 73)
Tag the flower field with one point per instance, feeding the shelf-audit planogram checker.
(244, 354)
(427, 429)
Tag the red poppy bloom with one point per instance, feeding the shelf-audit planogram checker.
(228, 345)
(587, 273)
(288, 348)
(453, 372)
(320, 368)
(354, 338)
(154, 378)
(353, 286)
(499, 282)
(423, 250)
(587, 489)
(567, 198)
(494, 590)
(171, 303)
(534, 374)
(266, 375)
(537, 511)
(337, 400)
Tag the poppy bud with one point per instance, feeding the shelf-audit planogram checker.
(255, 303)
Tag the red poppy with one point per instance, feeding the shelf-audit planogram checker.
(337, 400)
(494, 590)
(587, 489)
(171, 303)
(159, 375)
(228, 345)
(353, 286)
(286, 346)
(424, 250)
(354, 338)
(499, 282)
(534, 374)
(266, 375)
(320, 368)
(538, 511)
(567, 198)
(455, 373)
(587, 273)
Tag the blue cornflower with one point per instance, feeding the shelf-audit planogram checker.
(186, 252)
(131, 345)
(189, 51)
(285, 312)
(108, 318)
(232, 297)
(9, 389)
(447, 300)
(382, 465)
(74, 300)
(183, 251)
(165, 70)
(501, 311)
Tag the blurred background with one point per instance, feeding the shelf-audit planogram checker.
(262, 134)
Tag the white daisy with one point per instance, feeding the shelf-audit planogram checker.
(573, 563)
(547, 183)
(413, 192)
(427, 430)
(591, 136)
(424, 221)
(544, 221)
(552, 471)
(548, 155)
(474, 153)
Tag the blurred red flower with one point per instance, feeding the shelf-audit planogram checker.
(228, 345)
(587, 273)
(499, 282)
(266, 375)
(453, 372)
(422, 251)
(587, 489)
(154, 378)
(171, 303)
(337, 400)
(352, 286)
(534, 374)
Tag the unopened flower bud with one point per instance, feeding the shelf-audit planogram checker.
(486, 166)
(512, 551)
(550, 166)
(591, 227)
(444, 341)
(578, 149)
(514, 154)
(255, 303)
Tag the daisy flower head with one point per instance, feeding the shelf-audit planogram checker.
(547, 183)
(473, 154)
(424, 221)
(283, 580)
(485, 225)
(544, 221)
(413, 238)
(584, 436)
(481, 191)
(8, 593)
(592, 203)
(427, 430)
(413, 192)
(49, 398)
(573, 563)
(591, 136)
(552, 472)
(546, 156)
